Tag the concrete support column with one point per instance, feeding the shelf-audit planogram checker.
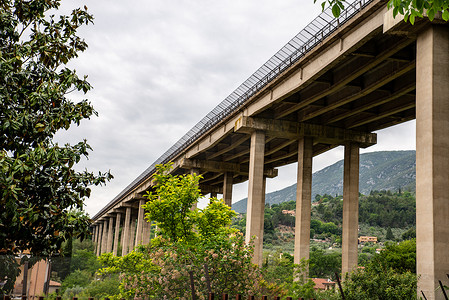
(227, 188)
(95, 237)
(196, 172)
(432, 160)
(99, 239)
(303, 199)
(110, 235)
(98, 233)
(104, 237)
(256, 201)
(140, 221)
(126, 231)
(132, 234)
(262, 220)
(350, 208)
(146, 231)
(117, 233)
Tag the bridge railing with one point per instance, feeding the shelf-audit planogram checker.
(307, 39)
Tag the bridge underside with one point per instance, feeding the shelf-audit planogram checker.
(371, 88)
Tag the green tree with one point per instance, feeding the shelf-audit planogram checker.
(400, 257)
(380, 282)
(410, 9)
(389, 235)
(38, 183)
(409, 234)
(389, 275)
(322, 264)
(192, 244)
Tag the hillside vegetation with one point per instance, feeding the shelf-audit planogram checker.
(384, 170)
(386, 215)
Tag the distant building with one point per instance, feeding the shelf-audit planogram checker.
(289, 212)
(367, 239)
(323, 284)
(54, 287)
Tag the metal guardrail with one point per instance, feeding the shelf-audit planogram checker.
(313, 34)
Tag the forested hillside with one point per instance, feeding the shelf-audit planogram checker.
(379, 213)
(385, 170)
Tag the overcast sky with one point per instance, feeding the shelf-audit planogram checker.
(157, 67)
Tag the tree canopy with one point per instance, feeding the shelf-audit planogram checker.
(193, 246)
(410, 9)
(39, 185)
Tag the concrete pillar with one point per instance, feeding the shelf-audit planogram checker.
(95, 235)
(126, 231)
(256, 201)
(99, 239)
(117, 233)
(196, 172)
(140, 221)
(262, 220)
(96, 228)
(104, 237)
(110, 235)
(132, 234)
(350, 208)
(146, 231)
(303, 200)
(432, 160)
(227, 188)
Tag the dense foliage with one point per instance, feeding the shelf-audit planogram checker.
(379, 208)
(389, 275)
(410, 9)
(38, 183)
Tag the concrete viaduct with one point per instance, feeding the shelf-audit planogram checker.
(335, 83)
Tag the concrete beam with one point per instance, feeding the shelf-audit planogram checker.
(399, 71)
(394, 48)
(295, 130)
(233, 145)
(206, 189)
(395, 95)
(222, 167)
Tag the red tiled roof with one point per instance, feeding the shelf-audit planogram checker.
(321, 283)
